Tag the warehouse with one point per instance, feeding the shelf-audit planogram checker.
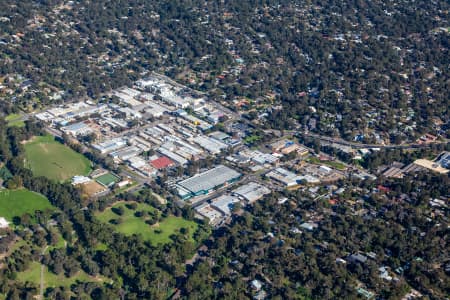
(155, 110)
(224, 204)
(211, 145)
(284, 176)
(203, 183)
(162, 163)
(110, 145)
(214, 216)
(77, 129)
(251, 192)
(125, 153)
(173, 156)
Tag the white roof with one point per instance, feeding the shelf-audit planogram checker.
(224, 203)
(209, 212)
(284, 176)
(3, 223)
(80, 180)
(210, 179)
(252, 191)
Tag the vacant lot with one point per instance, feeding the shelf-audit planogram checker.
(49, 158)
(158, 233)
(333, 164)
(92, 188)
(15, 203)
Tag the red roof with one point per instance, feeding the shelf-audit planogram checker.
(162, 162)
(383, 188)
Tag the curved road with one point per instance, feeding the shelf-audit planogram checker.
(369, 146)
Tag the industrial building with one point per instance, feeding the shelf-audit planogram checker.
(425, 164)
(125, 153)
(162, 163)
(251, 192)
(284, 176)
(211, 145)
(203, 183)
(77, 129)
(214, 216)
(444, 160)
(127, 96)
(141, 166)
(259, 157)
(288, 146)
(110, 145)
(155, 110)
(224, 204)
(279, 145)
(264, 158)
(173, 156)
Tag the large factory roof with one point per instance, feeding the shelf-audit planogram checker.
(206, 181)
(252, 191)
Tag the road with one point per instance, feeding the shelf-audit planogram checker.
(54, 132)
(368, 146)
(41, 286)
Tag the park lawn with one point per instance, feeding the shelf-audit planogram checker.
(15, 203)
(157, 234)
(33, 274)
(60, 244)
(333, 164)
(101, 247)
(169, 226)
(18, 244)
(16, 123)
(15, 120)
(47, 157)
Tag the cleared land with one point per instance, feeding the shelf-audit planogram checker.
(15, 203)
(157, 234)
(33, 274)
(49, 158)
(92, 188)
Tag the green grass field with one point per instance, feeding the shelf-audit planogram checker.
(18, 202)
(15, 120)
(157, 234)
(107, 179)
(49, 158)
(333, 164)
(33, 274)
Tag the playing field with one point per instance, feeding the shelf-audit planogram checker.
(157, 234)
(15, 203)
(107, 179)
(49, 158)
